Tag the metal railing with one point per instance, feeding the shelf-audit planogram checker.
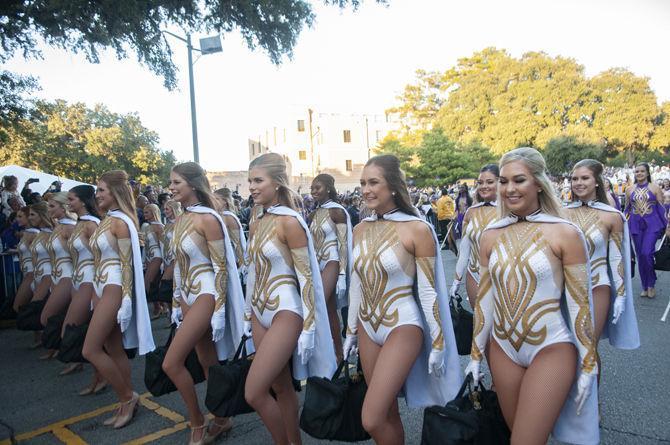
(10, 275)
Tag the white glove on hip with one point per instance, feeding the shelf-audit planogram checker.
(218, 323)
(436, 363)
(350, 347)
(341, 286)
(306, 346)
(176, 316)
(125, 314)
(474, 369)
(584, 383)
(454, 288)
(617, 310)
(247, 328)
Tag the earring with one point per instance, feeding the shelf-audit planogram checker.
(392, 193)
(276, 189)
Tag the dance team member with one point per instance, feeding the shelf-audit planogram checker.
(285, 302)
(532, 263)
(25, 291)
(406, 340)
(172, 211)
(330, 227)
(208, 291)
(120, 317)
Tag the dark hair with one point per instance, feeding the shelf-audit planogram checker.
(329, 182)
(488, 168)
(395, 178)
(196, 177)
(86, 195)
(9, 179)
(468, 198)
(596, 169)
(646, 167)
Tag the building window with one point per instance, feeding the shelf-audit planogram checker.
(349, 165)
(302, 155)
(253, 149)
(378, 135)
(347, 135)
(301, 125)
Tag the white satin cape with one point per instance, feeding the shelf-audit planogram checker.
(422, 389)
(465, 248)
(343, 299)
(227, 344)
(323, 362)
(580, 429)
(138, 334)
(625, 333)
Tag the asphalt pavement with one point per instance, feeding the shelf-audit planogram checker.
(43, 408)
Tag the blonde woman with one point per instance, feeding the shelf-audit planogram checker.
(533, 262)
(172, 211)
(153, 254)
(25, 291)
(120, 317)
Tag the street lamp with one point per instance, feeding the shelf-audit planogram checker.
(208, 45)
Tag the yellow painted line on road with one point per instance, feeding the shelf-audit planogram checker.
(160, 410)
(68, 437)
(158, 434)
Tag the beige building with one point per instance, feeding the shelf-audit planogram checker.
(314, 141)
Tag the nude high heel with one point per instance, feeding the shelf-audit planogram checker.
(194, 429)
(131, 406)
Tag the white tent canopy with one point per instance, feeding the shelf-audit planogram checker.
(45, 179)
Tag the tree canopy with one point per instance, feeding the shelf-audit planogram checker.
(89, 26)
(505, 102)
(77, 142)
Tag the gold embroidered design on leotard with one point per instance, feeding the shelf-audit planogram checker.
(237, 245)
(427, 266)
(640, 201)
(184, 232)
(304, 272)
(41, 260)
(126, 256)
(588, 220)
(516, 283)
(480, 217)
(102, 266)
(264, 284)
(617, 239)
(217, 254)
(576, 280)
(381, 236)
(58, 254)
(80, 264)
(479, 317)
(323, 242)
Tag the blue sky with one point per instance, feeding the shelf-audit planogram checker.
(355, 61)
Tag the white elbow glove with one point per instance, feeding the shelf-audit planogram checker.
(176, 316)
(341, 286)
(247, 328)
(125, 314)
(584, 384)
(350, 347)
(306, 346)
(436, 363)
(454, 288)
(617, 310)
(474, 369)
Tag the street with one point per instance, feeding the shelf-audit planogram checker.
(43, 408)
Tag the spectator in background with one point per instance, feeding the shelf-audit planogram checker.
(10, 185)
(463, 203)
(35, 198)
(10, 233)
(351, 204)
(446, 210)
(140, 203)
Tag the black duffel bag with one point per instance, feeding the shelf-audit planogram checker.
(72, 344)
(332, 408)
(51, 335)
(662, 256)
(165, 291)
(155, 379)
(463, 325)
(28, 316)
(225, 387)
(472, 418)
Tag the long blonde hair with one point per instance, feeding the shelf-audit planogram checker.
(175, 206)
(226, 197)
(534, 161)
(117, 182)
(61, 198)
(42, 210)
(275, 166)
(154, 211)
(196, 177)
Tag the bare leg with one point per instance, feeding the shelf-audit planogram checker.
(386, 368)
(42, 289)
(329, 277)
(472, 288)
(103, 330)
(60, 298)
(191, 331)
(507, 378)
(270, 369)
(79, 311)
(544, 389)
(601, 308)
(24, 293)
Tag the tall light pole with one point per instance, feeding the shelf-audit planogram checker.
(208, 45)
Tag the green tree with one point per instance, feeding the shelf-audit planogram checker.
(563, 152)
(14, 103)
(660, 140)
(89, 26)
(392, 145)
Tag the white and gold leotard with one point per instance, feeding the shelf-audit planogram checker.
(595, 232)
(82, 256)
(106, 257)
(166, 243)
(324, 234)
(152, 244)
(520, 298)
(272, 275)
(193, 272)
(40, 254)
(25, 255)
(59, 255)
(479, 217)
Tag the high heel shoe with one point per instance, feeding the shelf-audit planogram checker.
(130, 408)
(112, 420)
(51, 353)
(223, 428)
(93, 388)
(71, 369)
(194, 429)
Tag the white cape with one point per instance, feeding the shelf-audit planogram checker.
(343, 299)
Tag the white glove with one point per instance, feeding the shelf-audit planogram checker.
(473, 368)
(176, 316)
(341, 286)
(350, 347)
(436, 363)
(617, 310)
(306, 346)
(218, 324)
(454, 288)
(584, 383)
(125, 313)
(247, 328)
